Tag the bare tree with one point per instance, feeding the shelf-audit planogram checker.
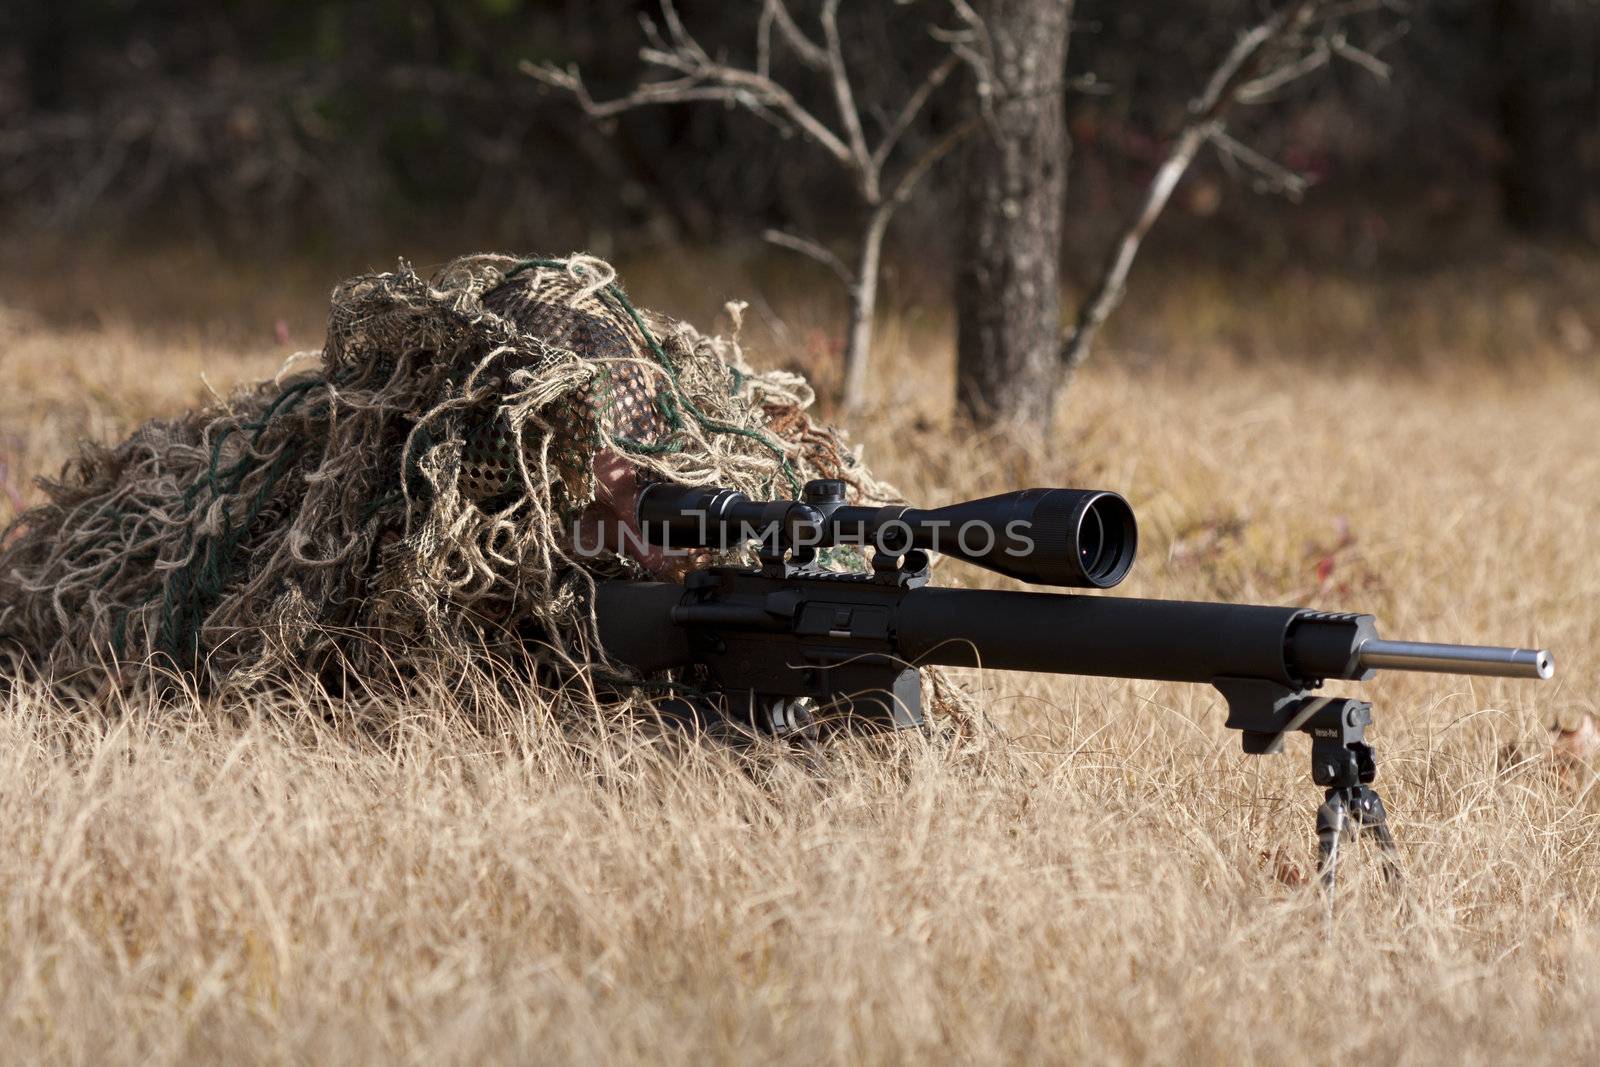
(1298, 38)
(883, 178)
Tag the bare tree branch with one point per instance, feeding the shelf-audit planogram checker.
(1360, 57)
(924, 162)
(699, 82)
(973, 45)
(764, 41)
(1108, 293)
(1244, 72)
(1271, 175)
(844, 98)
(911, 109)
(691, 75)
(1257, 89)
(804, 48)
(814, 249)
(1244, 61)
(681, 40)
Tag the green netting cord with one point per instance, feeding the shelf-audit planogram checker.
(669, 403)
(191, 591)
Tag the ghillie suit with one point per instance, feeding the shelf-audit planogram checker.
(409, 506)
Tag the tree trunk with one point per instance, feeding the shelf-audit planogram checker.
(1008, 290)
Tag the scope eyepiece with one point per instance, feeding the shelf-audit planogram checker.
(1085, 538)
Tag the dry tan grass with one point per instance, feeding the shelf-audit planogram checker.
(267, 884)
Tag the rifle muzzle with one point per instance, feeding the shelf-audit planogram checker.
(1456, 659)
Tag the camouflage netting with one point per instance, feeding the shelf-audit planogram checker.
(408, 505)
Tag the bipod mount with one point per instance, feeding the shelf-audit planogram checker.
(1266, 712)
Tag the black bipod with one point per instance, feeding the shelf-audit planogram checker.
(1350, 807)
(1341, 760)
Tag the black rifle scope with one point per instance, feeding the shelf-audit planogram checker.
(1085, 538)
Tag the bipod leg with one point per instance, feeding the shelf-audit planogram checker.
(1369, 817)
(1357, 811)
(1333, 819)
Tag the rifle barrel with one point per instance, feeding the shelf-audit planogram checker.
(1456, 659)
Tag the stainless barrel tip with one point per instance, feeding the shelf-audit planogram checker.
(1456, 659)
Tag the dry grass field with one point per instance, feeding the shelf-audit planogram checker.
(1111, 881)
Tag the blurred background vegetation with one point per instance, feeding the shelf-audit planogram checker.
(346, 132)
(293, 126)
